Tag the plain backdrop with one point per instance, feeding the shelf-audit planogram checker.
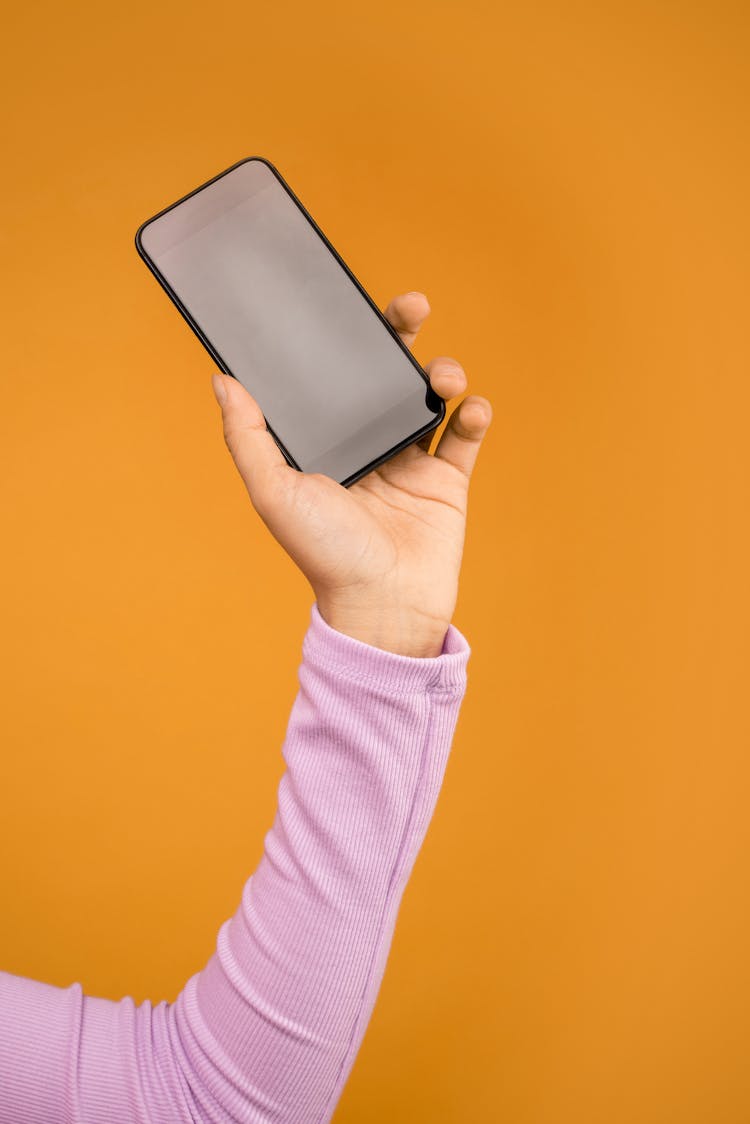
(569, 185)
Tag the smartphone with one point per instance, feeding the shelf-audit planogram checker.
(279, 310)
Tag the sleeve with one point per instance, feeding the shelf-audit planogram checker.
(269, 1029)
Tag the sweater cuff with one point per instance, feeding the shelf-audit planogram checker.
(352, 659)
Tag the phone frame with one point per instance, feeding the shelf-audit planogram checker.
(183, 310)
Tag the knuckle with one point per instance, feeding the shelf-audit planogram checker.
(229, 436)
(233, 430)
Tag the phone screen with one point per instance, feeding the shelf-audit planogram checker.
(285, 317)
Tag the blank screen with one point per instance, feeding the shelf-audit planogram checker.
(288, 322)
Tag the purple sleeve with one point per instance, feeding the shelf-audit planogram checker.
(269, 1029)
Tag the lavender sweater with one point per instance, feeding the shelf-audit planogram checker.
(269, 1029)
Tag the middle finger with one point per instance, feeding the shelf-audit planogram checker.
(447, 376)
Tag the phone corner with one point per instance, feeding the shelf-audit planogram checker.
(257, 159)
(138, 238)
(434, 402)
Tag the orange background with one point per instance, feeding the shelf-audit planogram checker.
(569, 184)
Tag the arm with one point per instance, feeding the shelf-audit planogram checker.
(269, 1029)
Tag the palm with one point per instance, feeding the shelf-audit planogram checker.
(398, 532)
(404, 518)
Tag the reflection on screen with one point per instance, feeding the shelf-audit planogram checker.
(288, 322)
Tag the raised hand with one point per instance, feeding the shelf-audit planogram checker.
(383, 557)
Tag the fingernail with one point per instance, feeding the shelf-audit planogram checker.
(220, 389)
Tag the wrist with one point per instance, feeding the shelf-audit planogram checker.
(405, 634)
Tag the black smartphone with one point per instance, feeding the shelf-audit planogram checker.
(279, 310)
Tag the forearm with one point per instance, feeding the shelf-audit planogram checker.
(269, 1030)
(289, 992)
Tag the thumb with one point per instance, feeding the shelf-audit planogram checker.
(252, 446)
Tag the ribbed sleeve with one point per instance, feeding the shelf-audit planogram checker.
(268, 1031)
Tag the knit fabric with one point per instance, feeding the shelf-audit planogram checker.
(269, 1029)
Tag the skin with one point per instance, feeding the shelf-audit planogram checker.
(383, 557)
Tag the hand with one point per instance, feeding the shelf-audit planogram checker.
(382, 556)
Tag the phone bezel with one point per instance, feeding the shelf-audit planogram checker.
(183, 310)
